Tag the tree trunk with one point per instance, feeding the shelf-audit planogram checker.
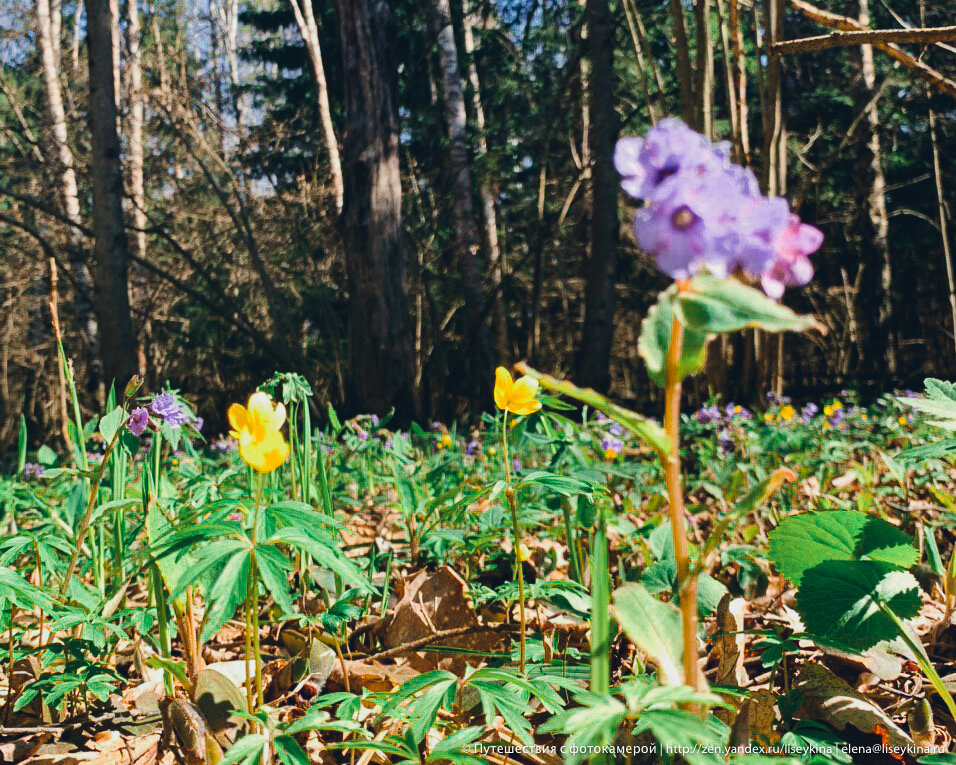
(874, 298)
(704, 88)
(305, 18)
(685, 72)
(380, 345)
(110, 249)
(594, 356)
(466, 234)
(136, 108)
(79, 268)
(489, 212)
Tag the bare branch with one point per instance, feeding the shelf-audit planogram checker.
(839, 39)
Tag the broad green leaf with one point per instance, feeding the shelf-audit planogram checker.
(804, 541)
(727, 305)
(840, 600)
(46, 456)
(567, 485)
(654, 627)
(248, 749)
(209, 558)
(655, 341)
(110, 423)
(594, 723)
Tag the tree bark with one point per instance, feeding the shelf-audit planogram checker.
(79, 268)
(685, 72)
(110, 250)
(136, 111)
(704, 88)
(305, 18)
(874, 298)
(489, 212)
(594, 356)
(466, 234)
(380, 345)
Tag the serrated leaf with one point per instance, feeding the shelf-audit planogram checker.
(655, 340)
(699, 740)
(726, 305)
(840, 600)
(652, 626)
(563, 484)
(803, 541)
(272, 567)
(940, 402)
(332, 559)
(18, 590)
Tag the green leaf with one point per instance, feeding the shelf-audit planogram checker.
(18, 590)
(248, 749)
(685, 733)
(110, 423)
(840, 600)
(655, 341)
(727, 305)
(46, 456)
(804, 541)
(333, 559)
(567, 485)
(290, 752)
(652, 626)
(940, 402)
(22, 445)
(272, 567)
(225, 595)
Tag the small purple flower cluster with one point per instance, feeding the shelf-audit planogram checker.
(138, 420)
(167, 406)
(473, 447)
(33, 470)
(703, 212)
(224, 445)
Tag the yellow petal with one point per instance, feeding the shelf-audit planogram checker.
(503, 385)
(523, 396)
(278, 416)
(237, 417)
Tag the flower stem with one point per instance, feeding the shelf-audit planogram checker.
(512, 505)
(686, 583)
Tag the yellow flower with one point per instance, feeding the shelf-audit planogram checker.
(445, 441)
(492, 451)
(524, 552)
(257, 428)
(610, 454)
(828, 410)
(517, 397)
(902, 420)
(769, 416)
(787, 412)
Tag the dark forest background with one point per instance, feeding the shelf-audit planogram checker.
(393, 197)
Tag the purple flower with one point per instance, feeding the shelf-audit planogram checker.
(33, 469)
(609, 442)
(701, 212)
(517, 464)
(616, 429)
(138, 420)
(474, 446)
(361, 432)
(199, 423)
(809, 411)
(708, 413)
(167, 406)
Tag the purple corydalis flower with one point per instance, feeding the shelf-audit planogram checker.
(517, 464)
(809, 411)
(708, 413)
(701, 212)
(609, 442)
(473, 446)
(167, 406)
(616, 429)
(138, 420)
(33, 469)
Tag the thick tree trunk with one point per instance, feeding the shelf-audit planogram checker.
(380, 346)
(305, 18)
(466, 234)
(874, 297)
(63, 156)
(594, 356)
(704, 87)
(489, 212)
(685, 72)
(110, 249)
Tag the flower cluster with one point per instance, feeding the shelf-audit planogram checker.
(612, 442)
(703, 212)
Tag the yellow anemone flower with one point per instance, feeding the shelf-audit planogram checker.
(787, 412)
(517, 397)
(256, 427)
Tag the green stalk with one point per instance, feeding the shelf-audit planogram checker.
(600, 609)
(576, 572)
(306, 453)
(162, 616)
(922, 657)
(516, 534)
